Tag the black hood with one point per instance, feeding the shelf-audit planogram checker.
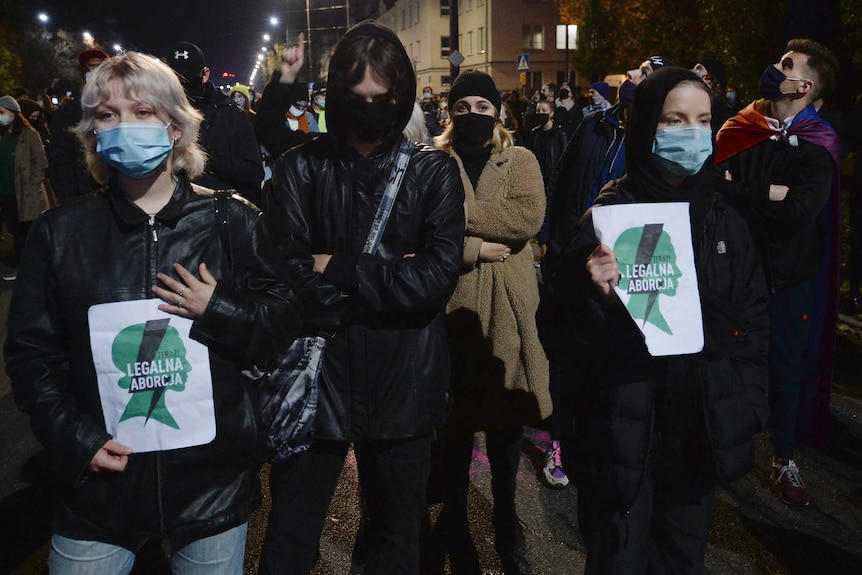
(641, 164)
(405, 84)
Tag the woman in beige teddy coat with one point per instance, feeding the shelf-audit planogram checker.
(500, 373)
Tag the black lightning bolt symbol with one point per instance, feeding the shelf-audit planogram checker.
(154, 333)
(646, 249)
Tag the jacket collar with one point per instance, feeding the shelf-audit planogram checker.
(131, 214)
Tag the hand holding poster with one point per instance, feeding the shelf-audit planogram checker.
(658, 280)
(155, 382)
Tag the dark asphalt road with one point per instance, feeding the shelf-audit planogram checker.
(753, 532)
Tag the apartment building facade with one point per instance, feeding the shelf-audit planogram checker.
(492, 35)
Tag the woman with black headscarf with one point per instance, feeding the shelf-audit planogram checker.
(651, 436)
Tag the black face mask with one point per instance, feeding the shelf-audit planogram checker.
(542, 119)
(770, 83)
(369, 121)
(474, 129)
(564, 94)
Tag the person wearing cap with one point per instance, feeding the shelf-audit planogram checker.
(598, 95)
(233, 154)
(241, 97)
(711, 71)
(384, 382)
(654, 63)
(22, 173)
(318, 104)
(299, 118)
(499, 371)
(67, 170)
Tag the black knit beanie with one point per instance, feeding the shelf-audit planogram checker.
(475, 83)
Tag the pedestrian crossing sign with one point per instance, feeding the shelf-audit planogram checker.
(523, 61)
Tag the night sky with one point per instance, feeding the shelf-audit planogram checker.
(229, 32)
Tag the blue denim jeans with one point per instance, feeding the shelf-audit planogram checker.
(220, 554)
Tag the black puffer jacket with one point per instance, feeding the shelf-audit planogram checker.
(100, 249)
(233, 154)
(386, 371)
(619, 405)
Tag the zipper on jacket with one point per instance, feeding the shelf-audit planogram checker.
(152, 224)
(152, 250)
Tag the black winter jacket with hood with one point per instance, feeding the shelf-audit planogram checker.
(706, 406)
(233, 155)
(102, 249)
(386, 369)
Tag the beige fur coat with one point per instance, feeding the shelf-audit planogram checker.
(500, 372)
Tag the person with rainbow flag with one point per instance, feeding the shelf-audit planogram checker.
(782, 160)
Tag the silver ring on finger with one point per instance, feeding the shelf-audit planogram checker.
(182, 291)
(180, 301)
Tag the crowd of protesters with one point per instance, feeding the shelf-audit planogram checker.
(495, 299)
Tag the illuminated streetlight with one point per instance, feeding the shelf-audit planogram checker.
(264, 49)
(266, 37)
(118, 48)
(274, 21)
(43, 18)
(88, 38)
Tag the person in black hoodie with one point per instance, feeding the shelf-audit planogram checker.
(384, 383)
(233, 155)
(650, 437)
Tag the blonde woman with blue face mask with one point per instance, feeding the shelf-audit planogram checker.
(139, 307)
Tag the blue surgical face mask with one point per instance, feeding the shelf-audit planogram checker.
(137, 150)
(239, 101)
(682, 151)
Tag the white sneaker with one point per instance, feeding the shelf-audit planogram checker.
(552, 474)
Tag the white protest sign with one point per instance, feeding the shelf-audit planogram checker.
(658, 283)
(155, 382)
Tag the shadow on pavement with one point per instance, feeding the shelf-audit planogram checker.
(25, 515)
(801, 553)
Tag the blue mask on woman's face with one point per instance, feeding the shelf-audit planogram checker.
(137, 150)
(682, 151)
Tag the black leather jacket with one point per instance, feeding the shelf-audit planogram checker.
(100, 249)
(386, 370)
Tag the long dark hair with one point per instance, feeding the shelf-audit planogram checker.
(370, 45)
(18, 124)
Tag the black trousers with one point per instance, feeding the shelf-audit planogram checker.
(393, 476)
(9, 215)
(504, 454)
(790, 321)
(665, 532)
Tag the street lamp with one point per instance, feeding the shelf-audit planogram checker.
(274, 22)
(43, 18)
